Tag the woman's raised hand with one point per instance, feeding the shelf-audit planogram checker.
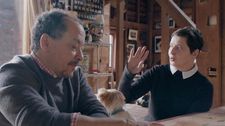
(136, 60)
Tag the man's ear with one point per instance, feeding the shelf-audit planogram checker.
(44, 41)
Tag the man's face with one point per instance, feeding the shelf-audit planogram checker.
(66, 52)
(180, 55)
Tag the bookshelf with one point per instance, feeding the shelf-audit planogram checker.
(137, 11)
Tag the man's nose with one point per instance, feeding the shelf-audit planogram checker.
(79, 54)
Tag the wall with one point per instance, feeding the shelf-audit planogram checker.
(211, 34)
(10, 42)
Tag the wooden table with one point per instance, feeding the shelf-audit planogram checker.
(215, 117)
(137, 111)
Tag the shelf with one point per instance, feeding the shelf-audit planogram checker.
(98, 74)
(135, 24)
(97, 44)
(137, 11)
(85, 9)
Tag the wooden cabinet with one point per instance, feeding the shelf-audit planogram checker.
(97, 65)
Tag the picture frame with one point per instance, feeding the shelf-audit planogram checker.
(133, 34)
(157, 44)
(171, 23)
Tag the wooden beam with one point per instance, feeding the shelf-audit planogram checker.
(165, 37)
(150, 35)
(120, 41)
(138, 11)
(223, 50)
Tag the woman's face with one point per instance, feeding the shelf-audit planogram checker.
(180, 55)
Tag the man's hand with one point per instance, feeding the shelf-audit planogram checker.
(136, 60)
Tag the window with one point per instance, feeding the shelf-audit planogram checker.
(10, 34)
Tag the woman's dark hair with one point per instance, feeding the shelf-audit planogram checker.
(193, 36)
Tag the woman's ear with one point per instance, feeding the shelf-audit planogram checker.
(196, 53)
(44, 41)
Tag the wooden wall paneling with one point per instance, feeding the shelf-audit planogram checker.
(125, 31)
(120, 40)
(212, 37)
(165, 36)
(150, 36)
(138, 10)
(132, 10)
(194, 11)
(157, 29)
(222, 10)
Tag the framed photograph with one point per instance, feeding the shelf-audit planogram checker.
(171, 23)
(157, 44)
(133, 34)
